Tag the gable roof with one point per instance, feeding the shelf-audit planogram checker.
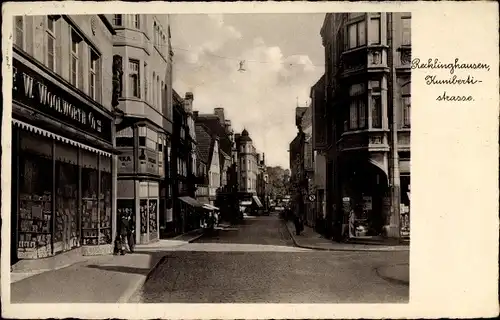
(212, 122)
(203, 141)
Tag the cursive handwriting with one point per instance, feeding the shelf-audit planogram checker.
(436, 64)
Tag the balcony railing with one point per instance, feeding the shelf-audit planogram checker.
(372, 58)
(375, 140)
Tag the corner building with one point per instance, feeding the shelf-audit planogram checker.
(367, 87)
(63, 132)
(143, 56)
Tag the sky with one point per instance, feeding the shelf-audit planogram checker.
(283, 57)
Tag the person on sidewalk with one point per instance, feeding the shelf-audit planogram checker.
(125, 233)
(298, 224)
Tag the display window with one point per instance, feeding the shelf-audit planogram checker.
(143, 209)
(66, 232)
(105, 236)
(35, 207)
(90, 206)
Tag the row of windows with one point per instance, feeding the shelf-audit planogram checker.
(357, 32)
(156, 97)
(358, 111)
(79, 50)
(119, 21)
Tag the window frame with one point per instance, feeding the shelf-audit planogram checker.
(134, 88)
(376, 94)
(116, 18)
(371, 32)
(93, 73)
(359, 102)
(405, 29)
(406, 107)
(136, 21)
(74, 56)
(53, 35)
(358, 43)
(22, 45)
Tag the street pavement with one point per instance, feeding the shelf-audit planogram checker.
(257, 262)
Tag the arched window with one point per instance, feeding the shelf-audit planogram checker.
(406, 104)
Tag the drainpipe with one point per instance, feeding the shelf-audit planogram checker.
(393, 222)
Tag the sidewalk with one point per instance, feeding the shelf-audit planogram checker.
(310, 239)
(92, 279)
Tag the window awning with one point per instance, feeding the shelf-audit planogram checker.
(190, 201)
(245, 203)
(57, 137)
(209, 207)
(257, 201)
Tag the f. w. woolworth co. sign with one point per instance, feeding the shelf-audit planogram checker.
(42, 95)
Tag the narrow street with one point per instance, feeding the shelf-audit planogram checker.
(257, 262)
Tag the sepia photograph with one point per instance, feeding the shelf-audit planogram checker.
(250, 160)
(211, 158)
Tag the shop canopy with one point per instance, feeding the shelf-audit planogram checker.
(190, 201)
(209, 207)
(245, 203)
(257, 201)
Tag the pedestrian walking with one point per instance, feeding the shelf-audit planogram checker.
(298, 225)
(125, 233)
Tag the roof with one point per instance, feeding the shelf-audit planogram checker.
(318, 86)
(212, 122)
(245, 136)
(204, 142)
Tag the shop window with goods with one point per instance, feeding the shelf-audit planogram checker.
(90, 182)
(35, 197)
(105, 236)
(66, 233)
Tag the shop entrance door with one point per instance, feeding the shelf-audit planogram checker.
(66, 235)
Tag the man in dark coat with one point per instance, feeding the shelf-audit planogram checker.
(125, 232)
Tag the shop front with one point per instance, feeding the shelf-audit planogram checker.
(365, 199)
(62, 181)
(141, 172)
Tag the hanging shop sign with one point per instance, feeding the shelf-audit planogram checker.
(33, 90)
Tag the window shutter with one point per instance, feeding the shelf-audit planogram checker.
(81, 54)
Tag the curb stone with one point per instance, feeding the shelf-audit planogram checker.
(377, 249)
(134, 288)
(391, 279)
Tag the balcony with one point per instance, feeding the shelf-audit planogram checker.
(374, 140)
(372, 58)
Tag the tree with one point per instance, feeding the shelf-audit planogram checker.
(276, 179)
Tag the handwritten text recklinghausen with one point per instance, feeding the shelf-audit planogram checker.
(453, 79)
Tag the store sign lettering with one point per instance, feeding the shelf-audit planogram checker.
(33, 90)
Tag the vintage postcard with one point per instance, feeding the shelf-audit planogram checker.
(250, 160)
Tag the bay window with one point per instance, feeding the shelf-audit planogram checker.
(376, 104)
(357, 34)
(136, 21)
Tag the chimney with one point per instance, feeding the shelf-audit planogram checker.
(188, 102)
(263, 158)
(258, 158)
(219, 112)
(227, 125)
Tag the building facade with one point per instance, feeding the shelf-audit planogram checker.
(247, 158)
(142, 52)
(367, 89)
(63, 152)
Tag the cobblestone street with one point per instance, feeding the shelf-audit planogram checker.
(257, 262)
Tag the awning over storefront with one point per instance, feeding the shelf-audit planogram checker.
(210, 207)
(257, 201)
(190, 201)
(57, 137)
(245, 203)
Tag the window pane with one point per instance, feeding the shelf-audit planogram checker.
(74, 72)
(374, 31)
(406, 111)
(376, 112)
(352, 36)
(50, 24)
(406, 30)
(361, 33)
(118, 19)
(362, 113)
(19, 31)
(353, 115)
